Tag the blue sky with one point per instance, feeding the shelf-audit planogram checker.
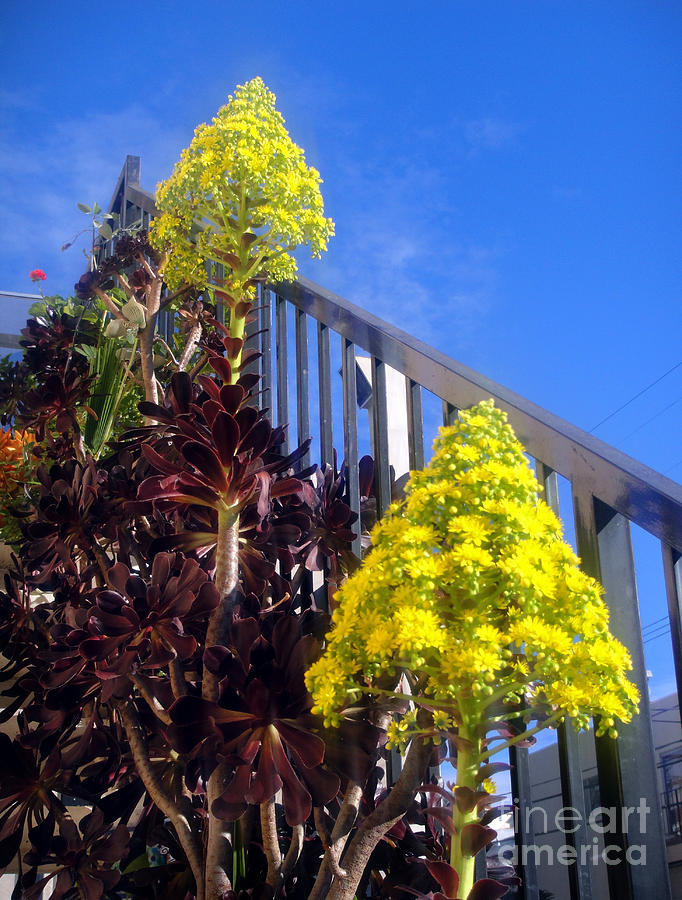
(504, 177)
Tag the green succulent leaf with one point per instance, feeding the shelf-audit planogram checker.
(135, 313)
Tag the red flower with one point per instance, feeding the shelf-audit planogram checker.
(37, 275)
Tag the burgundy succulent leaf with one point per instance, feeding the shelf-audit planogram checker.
(216, 454)
(66, 521)
(23, 626)
(49, 341)
(262, 725)
(28, 796)
(332, 520)
(84, 862)
(488, 889)
(143, 624)
(58, 401)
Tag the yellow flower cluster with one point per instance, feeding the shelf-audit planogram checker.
(241, 195)
(470, 588)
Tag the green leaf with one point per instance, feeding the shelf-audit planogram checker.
(83, 208)
(134, 313)
(96, 209)
(65, 246)
(105, 231)
(116, 328)
(37, 309)
(140, 862)
(87, 351)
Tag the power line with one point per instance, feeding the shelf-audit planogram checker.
(651, 419)
(654, 637)
(632, 399)
(655, 622)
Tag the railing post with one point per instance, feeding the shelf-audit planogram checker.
(415, 424)
(626, 767)
(450, 413)
(570, 769)
(282, 370)
(382, 465)
(302, 387)
(350, 434)
(324, 395)
(265, 315)
(672, 570)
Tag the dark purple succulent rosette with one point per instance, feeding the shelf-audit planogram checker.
(48, 343)
(261, 727)
(83, 860)
(139, 625)
(214, 453)
(67, 519)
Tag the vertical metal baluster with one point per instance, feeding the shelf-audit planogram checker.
(266, 347)
(170, 326)
(382, 466)
(251, 343)
(282, 370)
(302, 387)
(303, 422)
(626, 767)
(450, 413)
(325, 395)
(521, 784)
(382, 487)
(570, 769)
(672, 570)
(415, 424)
(350, 433)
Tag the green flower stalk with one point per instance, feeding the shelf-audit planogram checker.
(471, 597)
(242, 196)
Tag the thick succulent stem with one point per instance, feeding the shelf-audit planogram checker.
(237, 329)
(152, 302)
(227, 573)
(218, 843)
(467, 774)
(293, 853)
(268, 827)
(381, 820)
(177, 677)
(193, 339)
(151, 700)
(79, 448)
(163, 801)
(109, 303)
(337, 841)
(226, 579)
(151, 392)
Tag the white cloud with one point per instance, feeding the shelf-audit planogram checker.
(76, 159)
(396, 256)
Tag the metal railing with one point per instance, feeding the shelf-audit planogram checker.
(671, 804)
(609, 492)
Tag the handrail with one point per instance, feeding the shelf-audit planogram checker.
(638, 492)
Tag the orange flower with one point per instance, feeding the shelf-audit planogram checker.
(12, 448)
